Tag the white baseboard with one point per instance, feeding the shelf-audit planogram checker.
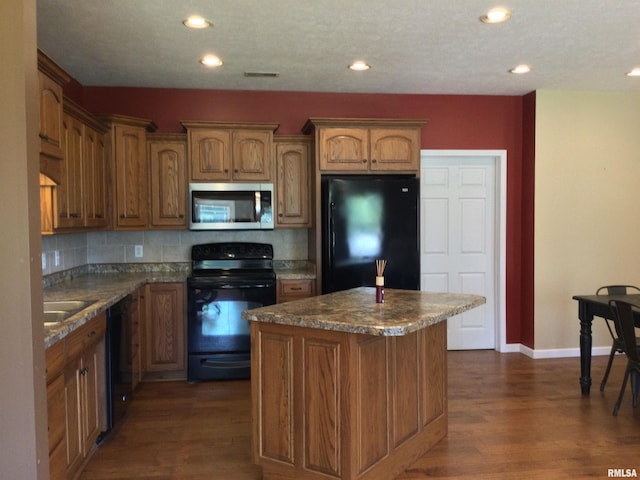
(556, 352)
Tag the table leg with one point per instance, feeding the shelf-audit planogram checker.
(586, 318)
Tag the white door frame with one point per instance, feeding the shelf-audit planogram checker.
(500, 159)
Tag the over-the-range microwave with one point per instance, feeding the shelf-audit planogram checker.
(231, 206)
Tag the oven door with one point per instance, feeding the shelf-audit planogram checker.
(219, 339)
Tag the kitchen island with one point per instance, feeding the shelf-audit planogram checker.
(345, 388)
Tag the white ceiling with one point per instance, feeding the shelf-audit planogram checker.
(414, 46)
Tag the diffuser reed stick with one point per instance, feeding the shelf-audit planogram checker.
(380, 266)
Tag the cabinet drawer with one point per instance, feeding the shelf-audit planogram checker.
(294, 290)
(295, 287)
(85, 336)
(54, 360)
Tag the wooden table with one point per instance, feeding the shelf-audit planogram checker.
(590, 306)
(345, 388)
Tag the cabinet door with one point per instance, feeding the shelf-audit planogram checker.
(70, 189)
(165, 328)
(90, 376)
(95, 175)
(210, 153)
(131, 177)
(73, 423)
(395, 149)
(50, 117)
(293, 192)
(252, 155)
(167, 161)
(136, 318)
(344, 149)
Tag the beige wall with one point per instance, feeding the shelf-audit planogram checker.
(587, 206)
(23, 414)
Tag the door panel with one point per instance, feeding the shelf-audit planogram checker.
(458, 241)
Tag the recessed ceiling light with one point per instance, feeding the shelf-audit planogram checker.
(496, 15)
(196, 21)
(359, 66)
(520, 69)
(211, 61)
(634, 72)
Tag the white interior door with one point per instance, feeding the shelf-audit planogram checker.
(458, 241)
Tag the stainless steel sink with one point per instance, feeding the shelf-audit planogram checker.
(66, 305)
(59, 310)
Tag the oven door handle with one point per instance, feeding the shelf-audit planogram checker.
(244, 287)
(222, 364)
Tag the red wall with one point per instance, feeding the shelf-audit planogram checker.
(454, 122)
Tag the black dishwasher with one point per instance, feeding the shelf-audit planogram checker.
(119, 386)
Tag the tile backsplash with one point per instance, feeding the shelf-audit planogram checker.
(66, 251)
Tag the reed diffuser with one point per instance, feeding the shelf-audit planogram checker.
(380, 266)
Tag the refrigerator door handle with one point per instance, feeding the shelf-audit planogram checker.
(332, 233)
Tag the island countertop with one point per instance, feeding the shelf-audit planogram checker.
(356, 311)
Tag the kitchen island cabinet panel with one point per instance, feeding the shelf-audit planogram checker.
(369, 382)
(277, 441)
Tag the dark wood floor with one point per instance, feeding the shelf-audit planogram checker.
(510, 417)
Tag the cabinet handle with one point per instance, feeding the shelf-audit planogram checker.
(226, 170)
(235, 170)
(373, 160)
(296, 288)
(99, 215)
(364, 160)
(74, 215)
(91, 333)
(281, 215)
(181, 216)
(43, 136)
(84, 371)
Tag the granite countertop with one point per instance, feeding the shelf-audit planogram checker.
(295, 271)
(356, 311)
(101, 289)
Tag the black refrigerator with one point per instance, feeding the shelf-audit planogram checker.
(365, 218)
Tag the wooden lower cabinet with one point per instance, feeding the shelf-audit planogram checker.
(75, 397)
(341, 405)
(165, 331)
(288, 290)
(54, 356)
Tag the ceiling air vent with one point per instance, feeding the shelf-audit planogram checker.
(261, 74)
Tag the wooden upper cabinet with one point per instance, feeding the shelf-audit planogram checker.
(210, 154)
(293, 188)
(230, 151)
(70, 189)
(95, 178)
(395, 148)
(130, 182)
(252, 158)
(344, 149)
(51, 79)
(50, 116)
(168, 168)
(366, 145)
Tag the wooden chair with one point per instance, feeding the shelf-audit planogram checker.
(623, 315)
(617, 346)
